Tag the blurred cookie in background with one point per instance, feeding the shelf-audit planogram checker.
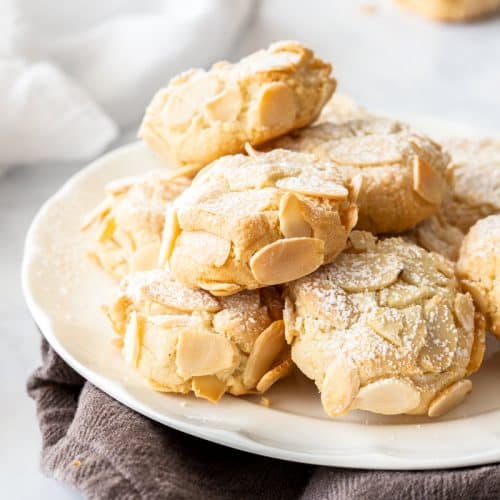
(453, 10)
(342, 108)
(475, 191)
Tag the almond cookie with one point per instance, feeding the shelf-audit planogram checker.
(403, 173)
(252, 221)
(476, 181)
(183, 340)
(453, 10)
(129, 222)
(384, 328)
(342, 108)
(478, 267)
(203, 115)
(436, 234)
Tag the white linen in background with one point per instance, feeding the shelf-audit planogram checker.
(73, 73)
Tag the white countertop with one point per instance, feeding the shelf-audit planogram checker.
(388, 60)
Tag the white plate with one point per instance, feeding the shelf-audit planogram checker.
(64, 291)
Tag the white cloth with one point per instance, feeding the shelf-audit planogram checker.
(73, 73)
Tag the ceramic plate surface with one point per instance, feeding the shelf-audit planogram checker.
(65, 290)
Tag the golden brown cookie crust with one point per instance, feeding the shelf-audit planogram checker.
(478, 267)
(253, 221)
(182, 340)
(403, 173)
(384, 328)
(201, 116)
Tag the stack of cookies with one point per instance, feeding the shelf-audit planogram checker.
(295, 229)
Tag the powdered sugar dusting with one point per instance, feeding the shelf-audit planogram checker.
(407, 332)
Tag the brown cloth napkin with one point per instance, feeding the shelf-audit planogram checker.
(107, 450)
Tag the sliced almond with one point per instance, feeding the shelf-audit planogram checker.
(278, 372)
(340, 386)
(276, 107)
(132, 340)
(97, 214)
(200, 90)
(122, 185)
(224, 106)
(464, 311)
(248, 301)
(478, 344)
(274, 61)
(238, 389)
(424, 274)
(291, 217)
(426, 181)
(169, 321)
(208, 387)
(390, 396)
(442, 336)
(171, 231)
(110, 259)
(356, 187)
(205, 248)
(414, 330)
(362, 240)
(185, 102)
(188, 171)
(265, 402)
(443, 265)
(366, 271)
(314, 186)
(221, 289)
(291, 51)
(440, 237)
(145, 258)
(264, 351)
(125, 240)
(177, 184)
(117, 342)
(387, 323)
(156, 386)
(106, 229)
(402, 294)
(477, 293)
(203, 353)
(157, 286)
(153, 308)
(178, 296)
(287, 260)
(251, 151)
(449, 398)
(349, 217)
(178, 111)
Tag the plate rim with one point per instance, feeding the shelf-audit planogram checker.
(371, 459)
